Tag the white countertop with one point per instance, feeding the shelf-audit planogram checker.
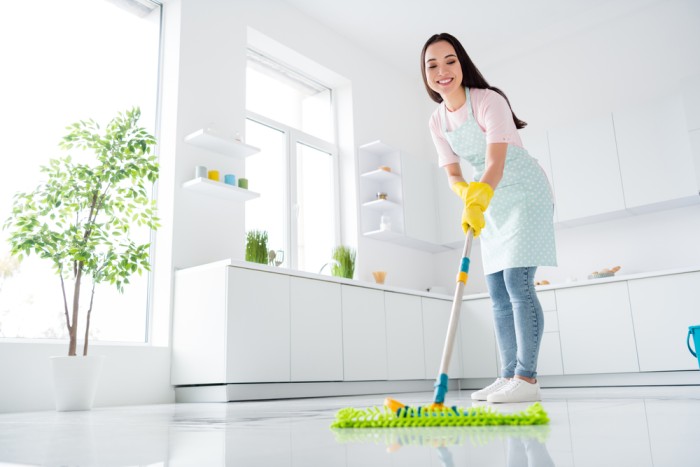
(402, 290)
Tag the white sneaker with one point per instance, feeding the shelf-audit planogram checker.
(517, 390)
(481, 394)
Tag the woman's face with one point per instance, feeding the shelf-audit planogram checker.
(442, 69)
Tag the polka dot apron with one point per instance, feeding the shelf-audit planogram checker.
(519, 228)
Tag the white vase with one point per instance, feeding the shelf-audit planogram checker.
(75, 381)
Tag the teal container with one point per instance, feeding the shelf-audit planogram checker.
(694, 334)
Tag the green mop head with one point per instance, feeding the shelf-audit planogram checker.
(375, 417)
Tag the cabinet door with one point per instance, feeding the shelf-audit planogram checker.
(478, 340)
(595, 327)
(663, 308)
(536, 142)
(404, 333)
(436, 317)
(316, 330)
(364, 334)
(654, 148)
(585, 169)
(258, 327)
(549, 362)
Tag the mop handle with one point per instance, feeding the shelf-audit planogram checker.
(456, 304)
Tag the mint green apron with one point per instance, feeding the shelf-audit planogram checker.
(519, 228)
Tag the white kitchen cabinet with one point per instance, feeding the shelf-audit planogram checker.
(595, 327)
(316, 330)
(364, 334)
(478, 340)
(655, 156)
(549, 362)
(536, 143)
(257, 327)
(663, 308)
(585, 170)
(404, 335)
(407, 200)
(436, 317)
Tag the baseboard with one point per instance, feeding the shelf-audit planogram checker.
(656, 378)
(272, 391)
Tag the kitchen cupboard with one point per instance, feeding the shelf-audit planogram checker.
(364, 334)
(436, 317)
(478, 339)
(595, 327)
(663, 308)
(316, 346)
(404, 336)
(257, 328)
(654, 152)
(586, 172)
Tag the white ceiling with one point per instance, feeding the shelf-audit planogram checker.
(490, 30)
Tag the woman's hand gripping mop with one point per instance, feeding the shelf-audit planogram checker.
(396, 414)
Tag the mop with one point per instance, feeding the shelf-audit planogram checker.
(397, 414)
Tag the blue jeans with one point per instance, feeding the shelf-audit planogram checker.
(518, 319)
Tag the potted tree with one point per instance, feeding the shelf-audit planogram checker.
(343, 264)
(80, 218)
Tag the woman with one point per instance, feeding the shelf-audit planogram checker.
(509, 205)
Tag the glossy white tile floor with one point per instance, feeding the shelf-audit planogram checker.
(655, 426)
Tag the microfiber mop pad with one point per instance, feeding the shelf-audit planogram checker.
(375, 417)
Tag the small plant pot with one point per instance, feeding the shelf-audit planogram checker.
(75, 381)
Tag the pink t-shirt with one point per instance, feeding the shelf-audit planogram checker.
(492, 114)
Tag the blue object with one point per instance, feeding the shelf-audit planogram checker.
(230, 179)
(464, 267)
(695, 332)
(440, 388)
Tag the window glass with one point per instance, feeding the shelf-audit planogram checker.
(65, 61)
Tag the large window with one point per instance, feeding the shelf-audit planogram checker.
(65, 61)
(290, 118)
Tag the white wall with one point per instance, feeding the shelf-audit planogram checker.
(131, 375)
(623, 61)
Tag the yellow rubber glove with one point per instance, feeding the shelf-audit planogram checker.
(476, 197)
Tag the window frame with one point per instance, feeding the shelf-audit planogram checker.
(294, 136)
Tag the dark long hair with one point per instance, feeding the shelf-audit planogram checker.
(471, 76)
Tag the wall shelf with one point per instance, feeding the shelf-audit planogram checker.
(381, 175)
(381, 205)
(219, 189)
(207, 139)
(385, 234)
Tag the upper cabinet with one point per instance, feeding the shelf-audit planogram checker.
(586, 171)
(655, 154)
(397, 197)
(638, 159)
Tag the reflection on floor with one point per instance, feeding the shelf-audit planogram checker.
(655, 426)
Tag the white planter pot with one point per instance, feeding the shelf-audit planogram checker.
(75, 381)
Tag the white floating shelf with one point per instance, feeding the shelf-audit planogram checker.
(383, 234)
(380, 175)
(208, 140)
(381, 205)
(219, 189)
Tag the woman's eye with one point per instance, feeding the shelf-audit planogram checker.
(451, 63)
(432, 66)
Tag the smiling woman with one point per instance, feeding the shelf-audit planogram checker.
(65, 62)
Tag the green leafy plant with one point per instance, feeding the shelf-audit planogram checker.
(256, 247)
(344, 262)
(81, 217)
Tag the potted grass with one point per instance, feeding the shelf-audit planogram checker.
(80, 218)
(343, 264)
(256, 247)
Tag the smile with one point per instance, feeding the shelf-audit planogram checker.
(445, 81)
